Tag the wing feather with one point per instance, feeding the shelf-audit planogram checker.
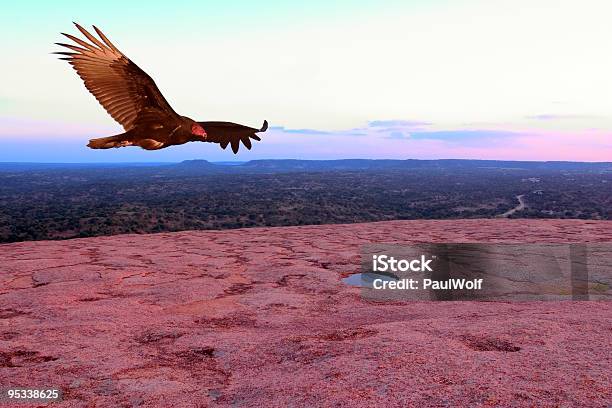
(79, 41)
(120, 86)
(106, 40)
(90, 37)
(228, 133)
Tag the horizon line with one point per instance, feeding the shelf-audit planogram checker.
(234, 162)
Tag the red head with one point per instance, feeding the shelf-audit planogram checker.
(198, 130)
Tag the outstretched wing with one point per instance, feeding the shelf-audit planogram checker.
(226, 133)
(122, 88)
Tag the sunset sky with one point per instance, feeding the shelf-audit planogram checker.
(482, 79)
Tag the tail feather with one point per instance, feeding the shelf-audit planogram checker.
(106, 142)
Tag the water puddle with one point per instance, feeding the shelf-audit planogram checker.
(365, 280)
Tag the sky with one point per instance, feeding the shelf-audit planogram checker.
(425, 79)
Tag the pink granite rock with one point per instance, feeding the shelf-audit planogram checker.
(260, 317)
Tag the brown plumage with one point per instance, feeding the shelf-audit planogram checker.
(131, 97)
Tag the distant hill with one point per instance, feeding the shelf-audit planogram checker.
(289, 165)
(26, 166)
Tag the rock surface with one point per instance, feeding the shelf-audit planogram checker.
(260, 317)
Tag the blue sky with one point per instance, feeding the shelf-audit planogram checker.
(489, 79)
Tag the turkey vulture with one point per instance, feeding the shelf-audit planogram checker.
(131, 97)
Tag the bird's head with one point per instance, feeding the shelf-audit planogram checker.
(198, 130)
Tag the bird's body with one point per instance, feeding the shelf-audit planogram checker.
(131, 97)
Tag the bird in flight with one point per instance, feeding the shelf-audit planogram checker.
(131, 97)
